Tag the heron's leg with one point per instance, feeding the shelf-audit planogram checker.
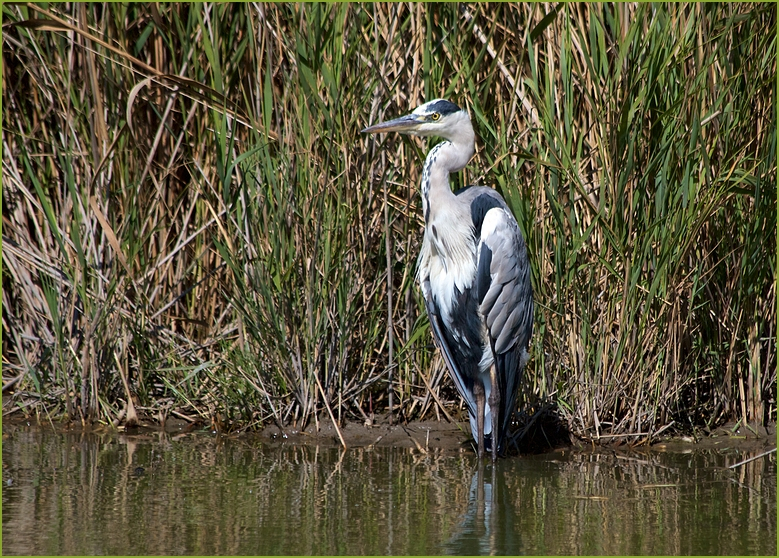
(478, 392)
(495, 397)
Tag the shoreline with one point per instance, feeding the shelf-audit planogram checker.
(423, 436)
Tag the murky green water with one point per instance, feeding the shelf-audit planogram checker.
(203, 494)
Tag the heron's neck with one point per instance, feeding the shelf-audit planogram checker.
(444, 158)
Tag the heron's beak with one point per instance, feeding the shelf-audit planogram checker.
(408, 123)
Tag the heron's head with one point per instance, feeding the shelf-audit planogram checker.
(438, 117)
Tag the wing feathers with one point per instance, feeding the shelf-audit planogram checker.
(438, 334)
(508, 302)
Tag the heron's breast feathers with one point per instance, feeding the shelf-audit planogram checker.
(447, 262)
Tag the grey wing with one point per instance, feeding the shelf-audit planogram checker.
(506, 297)
(437, 327)
(503, 281)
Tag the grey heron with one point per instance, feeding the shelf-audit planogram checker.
(474, 273)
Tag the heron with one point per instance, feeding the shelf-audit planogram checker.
(474, 274)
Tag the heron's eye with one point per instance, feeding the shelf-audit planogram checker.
(435, 116)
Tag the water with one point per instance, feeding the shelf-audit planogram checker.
(202, 494)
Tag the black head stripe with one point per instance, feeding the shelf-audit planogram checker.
(444, 107)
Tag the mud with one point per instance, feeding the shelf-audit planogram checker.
(425, 435)
(434, 435)
(422, 435)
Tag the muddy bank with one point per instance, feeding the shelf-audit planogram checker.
(431, 435)
(422, 435)
(457, 437)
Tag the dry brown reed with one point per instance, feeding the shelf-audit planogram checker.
(192, 225)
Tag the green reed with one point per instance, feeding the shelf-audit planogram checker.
(193, 225)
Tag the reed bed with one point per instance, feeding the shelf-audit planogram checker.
(194, 227)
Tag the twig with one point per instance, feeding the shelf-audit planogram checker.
(531, 111)
(262, 390)
(183, 416)
(663, 429)
(752, 458)
(13, 381)
(430, 390)
(390, 326)
(329, 411)
(20, 407)
(376, 441)
(417, 444)
(602, 436)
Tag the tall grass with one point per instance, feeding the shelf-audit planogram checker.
(193, 226)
